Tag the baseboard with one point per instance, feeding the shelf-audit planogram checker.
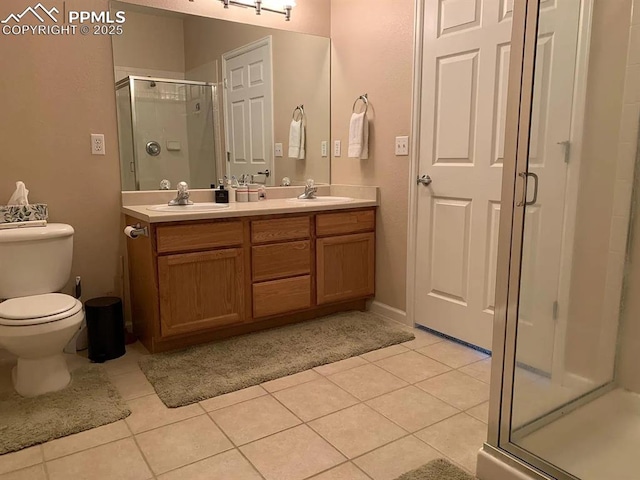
(388, 311)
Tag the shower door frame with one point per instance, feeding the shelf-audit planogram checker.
(130, 81)
(510, 249)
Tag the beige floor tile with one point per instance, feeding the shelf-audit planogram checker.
(381, 353)
(346, 471)
(149, 412)
(458, 437)
(20, 459)
(132, 385)
(290, 381)
(124, 364)
(315, 399)
(367, 381)
(121, 460)
(221, 401)
(229, 465)
(357, 430)
(391, 461)
(35, 472)
(412, 409)
(412, 367)
(456, 389)
(480, 370)
(452, 354)
(85, 440)
(480, 412)
(254, 419)
(341, 366)
(294, 454)
(422, 339)
(182, 443)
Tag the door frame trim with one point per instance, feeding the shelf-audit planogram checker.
(414, 160)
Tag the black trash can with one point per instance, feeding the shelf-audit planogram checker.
(105, 328)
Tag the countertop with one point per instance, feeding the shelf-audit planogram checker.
(246, 209)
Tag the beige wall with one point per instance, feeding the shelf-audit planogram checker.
(55, 92)
(592, 315)
(301, 73)
(628, 175)
(158, 42)
(373, 53)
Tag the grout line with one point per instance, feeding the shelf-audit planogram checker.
(44, 462)
(144, 457)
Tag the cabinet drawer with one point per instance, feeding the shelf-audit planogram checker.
(200, 236)
(340, 223)
(279, 229)
(270, 262)
(281, 296)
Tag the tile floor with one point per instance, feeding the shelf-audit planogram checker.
(369, 417)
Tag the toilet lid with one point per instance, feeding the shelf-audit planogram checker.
(37, 309)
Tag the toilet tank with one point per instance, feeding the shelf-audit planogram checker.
(35, 260)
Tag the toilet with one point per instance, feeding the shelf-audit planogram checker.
(35, 322)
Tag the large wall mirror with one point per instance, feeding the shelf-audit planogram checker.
(200, 98)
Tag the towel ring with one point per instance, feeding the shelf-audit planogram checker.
(364, 99)
(299, 108)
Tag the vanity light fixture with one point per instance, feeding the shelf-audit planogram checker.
(283, 7)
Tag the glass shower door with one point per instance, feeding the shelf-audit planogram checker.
(571, 386)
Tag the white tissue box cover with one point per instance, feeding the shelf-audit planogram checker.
(23, 213)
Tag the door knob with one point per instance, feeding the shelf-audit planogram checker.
(424, 180)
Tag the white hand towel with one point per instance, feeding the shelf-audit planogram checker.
(359, 136)
(303, 130)
(296, 139)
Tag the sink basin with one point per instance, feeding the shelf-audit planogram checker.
(321, 199)
(196, 207)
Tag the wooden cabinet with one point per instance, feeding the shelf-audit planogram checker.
(345, 267)
(200, 290)
(194, 281)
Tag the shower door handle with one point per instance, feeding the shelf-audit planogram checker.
(525, 189)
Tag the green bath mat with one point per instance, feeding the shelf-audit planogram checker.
(89, 401)
(205, 371)
(439, 469)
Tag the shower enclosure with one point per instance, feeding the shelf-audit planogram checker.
(565, 399)
(167, 131)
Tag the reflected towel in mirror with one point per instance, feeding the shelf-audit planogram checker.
(359, 136)
(296, 139)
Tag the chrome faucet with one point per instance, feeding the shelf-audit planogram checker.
(183, 195)
(310, 190)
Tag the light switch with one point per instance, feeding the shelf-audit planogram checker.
(402, 146)
(278, 150)
(337, 148)
(324, 148)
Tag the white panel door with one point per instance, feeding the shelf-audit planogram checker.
(247, 76)
(464, 93)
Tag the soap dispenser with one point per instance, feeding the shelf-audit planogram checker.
(221, 194)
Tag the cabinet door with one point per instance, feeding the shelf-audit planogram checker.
(345, 267)
(201, 290)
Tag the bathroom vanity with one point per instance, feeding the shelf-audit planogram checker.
(208, 275)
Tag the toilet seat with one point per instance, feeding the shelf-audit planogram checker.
(38, 309)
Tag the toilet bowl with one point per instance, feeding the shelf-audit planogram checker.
(36, 330)
(36, 324)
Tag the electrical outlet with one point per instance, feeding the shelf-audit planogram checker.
(402, 146)
(337, 148)
(97, 144)
(324, 148)
(278, 150)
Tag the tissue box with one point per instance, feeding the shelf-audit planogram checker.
(23, 213)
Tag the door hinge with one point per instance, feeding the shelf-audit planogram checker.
(228, 156)
(567, 150)
(556, 308)
(224, 83)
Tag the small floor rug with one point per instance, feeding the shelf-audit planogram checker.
(206, 371)
(89, 401)
(439, 469)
